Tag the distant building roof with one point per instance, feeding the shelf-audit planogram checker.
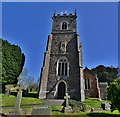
(88, 74)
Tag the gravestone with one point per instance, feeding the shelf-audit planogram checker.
(9, 88)
(7, 92)
(66, 99)
(67, 108)
(25, 92)
(18, 101)
(105, 106)
(17, 109)
(41, 110)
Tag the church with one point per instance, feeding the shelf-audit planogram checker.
(62, 70)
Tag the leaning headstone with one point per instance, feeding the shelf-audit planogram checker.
(105, 106)
(41, 110)
(67, 108)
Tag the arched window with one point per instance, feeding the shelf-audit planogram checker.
(87, 83)
(63, 67)
(64, 25)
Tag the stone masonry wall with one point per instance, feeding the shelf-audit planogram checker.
(73, 81)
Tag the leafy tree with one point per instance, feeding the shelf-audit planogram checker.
(33, 87)
(37, 82)
(114, 94)
(105, 74)
(12, 62)
(30, 81)
(27, 81)
(23, 78)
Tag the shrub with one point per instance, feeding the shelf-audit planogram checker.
(77, 106)
(114, 95)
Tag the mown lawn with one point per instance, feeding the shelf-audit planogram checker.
(56, 112)
(31, 99)
(90, 103)
(94, 102)
(10, 101)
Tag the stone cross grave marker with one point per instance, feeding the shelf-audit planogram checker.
(18, 100)
(67, 108)
(66, 100)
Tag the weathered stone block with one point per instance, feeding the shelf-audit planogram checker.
(43, 110)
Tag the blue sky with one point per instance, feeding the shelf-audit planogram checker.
(29, 24)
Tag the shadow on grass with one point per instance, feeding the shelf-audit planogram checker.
(13, 93)
(102, 115)
(33, 95)
(56, 110)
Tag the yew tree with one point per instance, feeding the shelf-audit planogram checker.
(12, 62)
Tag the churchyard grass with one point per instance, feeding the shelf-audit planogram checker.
(56, 112)
(26, 101)
(90, 103)
(94, 102)
(8, 101)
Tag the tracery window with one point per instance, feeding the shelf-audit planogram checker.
(87, 83)
(63, 67)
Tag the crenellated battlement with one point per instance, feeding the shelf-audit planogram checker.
(64, 22)
(62, 14)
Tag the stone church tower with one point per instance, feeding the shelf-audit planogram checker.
(62, 70)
